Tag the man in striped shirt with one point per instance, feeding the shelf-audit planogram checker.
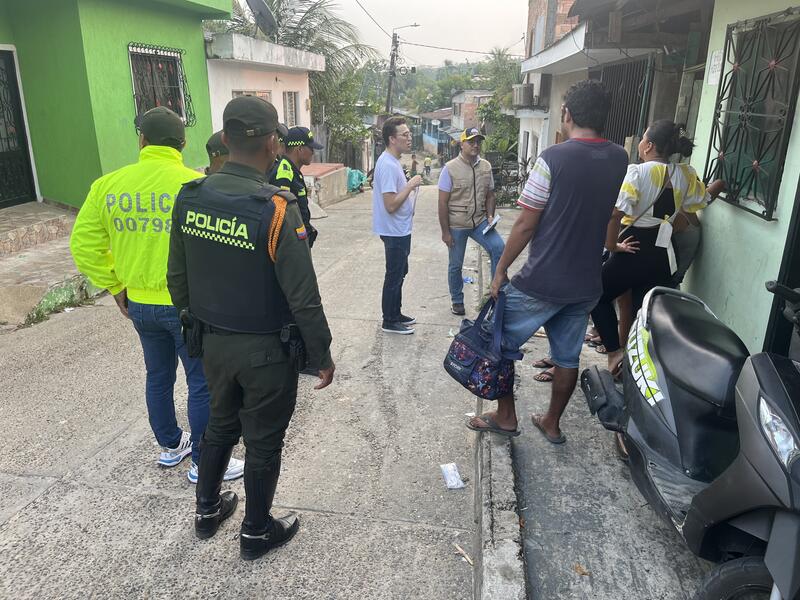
(566, 206)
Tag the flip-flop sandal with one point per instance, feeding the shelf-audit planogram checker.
(559, 439)
(493, 427)
(544, 363)
(544, 377)
(616, 372)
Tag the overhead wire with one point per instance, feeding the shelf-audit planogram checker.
(407, 43)
(389, 35)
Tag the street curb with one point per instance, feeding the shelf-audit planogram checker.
(499, 571)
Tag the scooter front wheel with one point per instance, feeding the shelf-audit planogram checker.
(741, 579)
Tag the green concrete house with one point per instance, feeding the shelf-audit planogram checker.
(748, 133)
(75, 73)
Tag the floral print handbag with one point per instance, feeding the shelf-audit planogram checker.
(475, 358)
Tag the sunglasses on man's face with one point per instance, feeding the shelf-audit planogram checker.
(475, 142)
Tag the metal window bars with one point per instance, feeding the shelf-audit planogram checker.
(159, 79)
(754, 110)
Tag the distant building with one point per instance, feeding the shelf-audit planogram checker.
(435, 125)
(465, 107)
(239, 65)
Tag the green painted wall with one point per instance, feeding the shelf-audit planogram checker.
(6, 32)
(53, 71)
(740, 251)
(108, 26)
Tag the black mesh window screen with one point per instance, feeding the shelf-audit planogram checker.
(159, 80)
(754, 110)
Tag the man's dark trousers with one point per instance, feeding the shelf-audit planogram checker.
(253, 393)
(397, 250)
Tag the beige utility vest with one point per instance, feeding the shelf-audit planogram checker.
(467, 205)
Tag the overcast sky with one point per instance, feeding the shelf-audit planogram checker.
(462, 24)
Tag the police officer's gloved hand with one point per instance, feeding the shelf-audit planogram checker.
(312, 235)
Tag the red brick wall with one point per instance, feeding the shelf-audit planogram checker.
(563, 24)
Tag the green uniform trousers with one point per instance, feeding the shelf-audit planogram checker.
(253, 393)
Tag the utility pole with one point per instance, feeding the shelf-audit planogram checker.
(392, 67)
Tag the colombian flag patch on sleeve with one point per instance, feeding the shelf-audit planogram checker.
(301, 232)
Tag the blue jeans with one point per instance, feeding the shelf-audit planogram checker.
(565, 325)
(159, 331)
(491, 242)
(397, 250)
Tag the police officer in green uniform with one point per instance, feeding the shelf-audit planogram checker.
(240, 266)
(300, 146)
(217, 153)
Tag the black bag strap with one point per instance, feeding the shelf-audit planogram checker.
(484, 311)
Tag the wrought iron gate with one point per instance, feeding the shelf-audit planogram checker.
(630, 85)
(16, 175)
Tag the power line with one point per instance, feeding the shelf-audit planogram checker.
(453, 49)
(389, 35)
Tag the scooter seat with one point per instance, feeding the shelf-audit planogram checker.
(697, 351)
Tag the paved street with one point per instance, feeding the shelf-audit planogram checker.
(87, 513)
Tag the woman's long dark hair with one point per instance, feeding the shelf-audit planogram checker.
(670, 138)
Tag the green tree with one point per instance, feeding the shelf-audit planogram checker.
(501, 130)
(501, 72)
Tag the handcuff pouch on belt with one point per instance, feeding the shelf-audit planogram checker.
(295, 346)
(192, 333)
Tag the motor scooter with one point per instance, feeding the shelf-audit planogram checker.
(713, 438)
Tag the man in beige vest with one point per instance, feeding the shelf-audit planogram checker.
(466, 208)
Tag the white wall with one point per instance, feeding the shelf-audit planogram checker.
(559, 86)
(225, 76)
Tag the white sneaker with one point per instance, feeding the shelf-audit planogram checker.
(173, 456)
(234, 471)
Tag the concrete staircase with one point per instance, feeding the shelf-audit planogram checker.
(36, 267)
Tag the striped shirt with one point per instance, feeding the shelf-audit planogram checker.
(537, 189)
(574, 184)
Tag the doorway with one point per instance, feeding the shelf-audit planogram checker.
(16, 173)
(780, 337)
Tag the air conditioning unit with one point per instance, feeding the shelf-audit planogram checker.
(523, 95)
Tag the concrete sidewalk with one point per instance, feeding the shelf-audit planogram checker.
(87, 513)
(587, 533)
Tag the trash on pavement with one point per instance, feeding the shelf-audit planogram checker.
(469, 280)
(580, 570)
(460, 551)
(451, 477)
(451, 333)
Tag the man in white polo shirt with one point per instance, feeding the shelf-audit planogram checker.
(393, 200)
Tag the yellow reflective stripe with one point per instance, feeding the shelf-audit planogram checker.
(285, 170)
(215, 237)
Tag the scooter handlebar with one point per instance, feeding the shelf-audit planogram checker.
(783, 291)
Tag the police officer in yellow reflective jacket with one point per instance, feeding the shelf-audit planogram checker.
(240, 270)
(120, 241)
(300, 146)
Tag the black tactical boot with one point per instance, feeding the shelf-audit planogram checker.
(212, 507)
(260, 532)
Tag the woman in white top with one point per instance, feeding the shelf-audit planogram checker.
(654, 194)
